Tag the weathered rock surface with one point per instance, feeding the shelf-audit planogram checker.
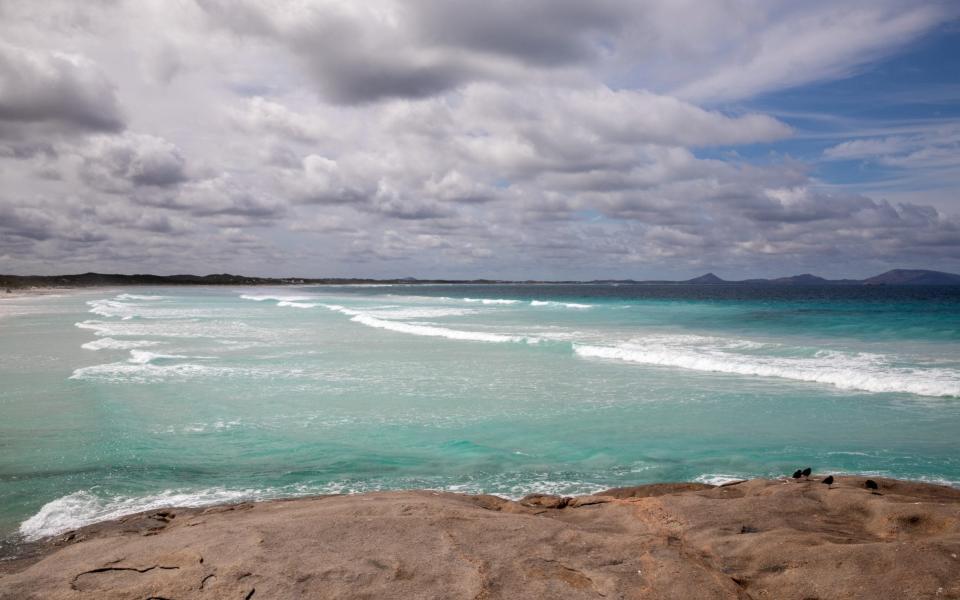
(757, 539)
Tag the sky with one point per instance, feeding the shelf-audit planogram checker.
(520, 139)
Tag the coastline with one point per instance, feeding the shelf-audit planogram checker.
(758, 538)
(32, 292)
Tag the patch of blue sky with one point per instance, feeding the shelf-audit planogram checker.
(912, 96)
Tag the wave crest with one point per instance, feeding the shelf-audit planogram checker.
(109, 343)
(552, 303)
(863, 372)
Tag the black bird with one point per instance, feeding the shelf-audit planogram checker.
(806, 472)
(871, 485)
(828, 480)
(797, 474)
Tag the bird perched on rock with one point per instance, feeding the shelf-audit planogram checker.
(828, 480)
(871, 485)
(806, 472)
(797, 474)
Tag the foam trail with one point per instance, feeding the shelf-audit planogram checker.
(109, 343)
(142, 357)
(429, 330)
(140, 368)
(426, 330)
(140, 297)
(869, 373)
(279, 299)
(563, 304)
(418, 313)
(491, 300)
(83, 508)
(179, 328)
(112, 308)
(146, 372)
(293, 304)
(717, 478)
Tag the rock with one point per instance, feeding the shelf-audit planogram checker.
(544, 501)
(759, 539)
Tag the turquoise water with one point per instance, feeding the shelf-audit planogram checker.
(114, 401)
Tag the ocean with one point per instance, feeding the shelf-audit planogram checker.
(114, 401)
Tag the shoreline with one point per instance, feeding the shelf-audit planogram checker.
(770, 538)
(31, 292)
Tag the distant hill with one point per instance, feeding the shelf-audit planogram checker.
(805, 279)
(115, 279)
(706, 278)
(913, 277)
(894, 277)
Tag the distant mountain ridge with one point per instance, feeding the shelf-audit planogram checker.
(706, 278)
(913, 277)
(894, 277)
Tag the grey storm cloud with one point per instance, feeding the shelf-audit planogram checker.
(549, 33)
(371, 51)
(119, 163)
(452, 138)
(54, 90)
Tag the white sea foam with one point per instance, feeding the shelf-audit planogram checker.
(492, 300)
(112, 308)
(140, 297)
(717, 478)
(293, 304)
(83, 508)
(261, 298)
(849, 371)
(148, 309)
(426, 330)
(342, 309)
(142, 367)
(108, 343)
(418, 313)
(142, 357)
(429, 330)
(180, 328)
(148, 372)
(551, 303)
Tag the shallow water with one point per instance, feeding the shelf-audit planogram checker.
(114, 401)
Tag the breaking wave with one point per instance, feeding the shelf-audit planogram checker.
(261, 298)
(83, 508)
(112, 308)
(492, 300)
(559, 304)
(184, 328)
(140, 297)
(847, 371)
(108, 343)
(151, 367)
(293, 304)
(426, 330)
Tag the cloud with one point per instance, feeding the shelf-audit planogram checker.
(49, 92)
(547, 33)
(813, 42)
(121, 163)
(381, 49)
(932, 147)
(355, 52)
(226, 197)
(445, 137)
(325, 181)
(262, 116)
